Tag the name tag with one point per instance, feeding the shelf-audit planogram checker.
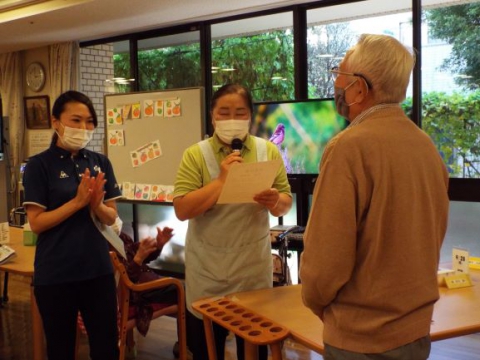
(458, 281)
(474, 262)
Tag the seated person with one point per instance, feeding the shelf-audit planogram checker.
(139, 254)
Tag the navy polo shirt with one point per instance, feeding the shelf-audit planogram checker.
(74, 250)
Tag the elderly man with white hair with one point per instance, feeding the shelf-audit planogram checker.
(379, 215)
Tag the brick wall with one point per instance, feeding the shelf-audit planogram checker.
(96, 65)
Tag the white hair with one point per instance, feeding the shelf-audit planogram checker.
(385, 62)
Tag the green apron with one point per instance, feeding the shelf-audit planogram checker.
(228, 247)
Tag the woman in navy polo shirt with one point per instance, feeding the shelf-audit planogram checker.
(65, 187)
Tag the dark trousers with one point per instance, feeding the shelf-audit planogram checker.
(96, 300)
(417, 350)
(197, 342)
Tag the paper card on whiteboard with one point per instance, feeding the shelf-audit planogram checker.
(246, 180)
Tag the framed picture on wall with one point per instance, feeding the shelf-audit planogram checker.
(37, 112)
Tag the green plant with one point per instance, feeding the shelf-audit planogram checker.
(453, 123)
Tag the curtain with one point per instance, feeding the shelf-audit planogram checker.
(11, 89)
(63, 68)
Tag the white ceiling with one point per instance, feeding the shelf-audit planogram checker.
(104, 18)
(95, 19)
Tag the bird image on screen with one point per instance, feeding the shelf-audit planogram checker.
(300, 130)
(278, 135)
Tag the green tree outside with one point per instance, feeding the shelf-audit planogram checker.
(451, 120)
(263, 63)
(460, 26)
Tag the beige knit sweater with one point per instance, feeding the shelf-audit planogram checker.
(372, 243)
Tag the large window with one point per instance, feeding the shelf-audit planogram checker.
(121, 82)
(169, 62)
(333, 30)
(259, 52)
(451, 85)
(463, 230)
(255, 52)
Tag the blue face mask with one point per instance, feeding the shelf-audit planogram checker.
(343, 108)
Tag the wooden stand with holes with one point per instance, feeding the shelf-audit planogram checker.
(254, 329)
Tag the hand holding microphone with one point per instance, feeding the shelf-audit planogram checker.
(232, 158)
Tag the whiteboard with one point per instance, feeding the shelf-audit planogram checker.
(175, 125)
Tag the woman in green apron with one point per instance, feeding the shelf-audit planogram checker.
(228, 245)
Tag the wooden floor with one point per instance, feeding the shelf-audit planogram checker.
(16, 338)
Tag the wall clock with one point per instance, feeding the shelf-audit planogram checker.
(35, 76)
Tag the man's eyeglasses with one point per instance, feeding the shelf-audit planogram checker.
(335, 72)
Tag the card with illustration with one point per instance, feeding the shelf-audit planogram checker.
(169, 191)
(135, 158)
(142, 191)
(138, 192)
(128, 190)
(159, 108)
(116, 138)
(148, 108)
(126, 111)
(114, 116)
(157, 149)
(158, 193)
(136, 113)
(173, 107)
(145, 153)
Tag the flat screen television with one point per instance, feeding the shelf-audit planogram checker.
(300, 129)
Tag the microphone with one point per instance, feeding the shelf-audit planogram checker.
(237, 145)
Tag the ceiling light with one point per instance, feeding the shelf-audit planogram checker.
(7, 5)
(119, 80)
(228, 69)
(11, 10)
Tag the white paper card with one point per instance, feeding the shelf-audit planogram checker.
(460, 260)
(110, 236)
(246, 180)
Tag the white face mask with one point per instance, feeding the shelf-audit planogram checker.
(227, 130)
(75, 139)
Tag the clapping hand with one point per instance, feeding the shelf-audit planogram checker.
(163, 236)
(84, 190)
(149, 244)
(145, 248)
(97, 185)
(90, 191)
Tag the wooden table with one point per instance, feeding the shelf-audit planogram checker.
(456, 313)
(22, 265)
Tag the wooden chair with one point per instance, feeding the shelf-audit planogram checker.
(127, 324)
